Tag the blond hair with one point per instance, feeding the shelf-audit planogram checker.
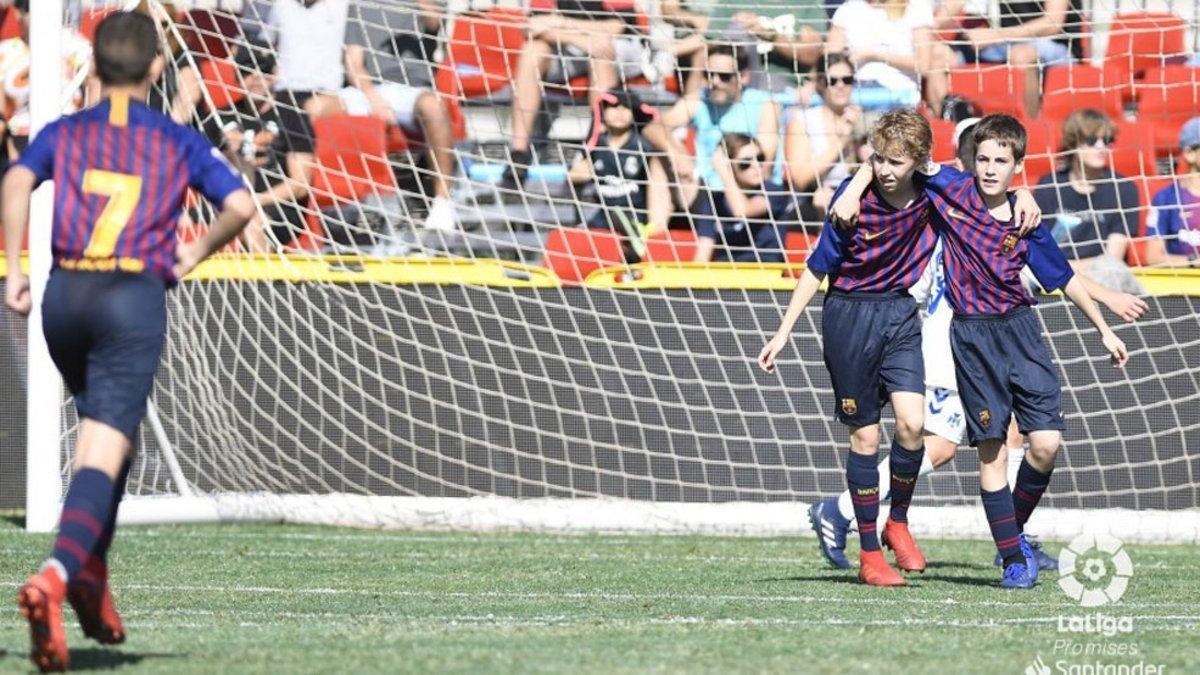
(903, 132)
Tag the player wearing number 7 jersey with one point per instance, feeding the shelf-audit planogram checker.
(121, 173)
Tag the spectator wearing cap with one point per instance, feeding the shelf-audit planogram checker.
(756, 234)
(820, 143)
(579, 38)
(1091, 210)
(629, 180)
(726, 105)
(1173, 225)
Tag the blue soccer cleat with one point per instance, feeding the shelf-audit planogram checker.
(1030, 558)
(1045, 561)
(831, 528)
(1018, 575)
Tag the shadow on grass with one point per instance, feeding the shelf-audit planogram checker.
(830, 578)
(955, 579)
(14, 520)
(94, 658)
(943, 564)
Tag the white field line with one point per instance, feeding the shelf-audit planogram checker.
(374, 555)
(263, 618)
(614, 597)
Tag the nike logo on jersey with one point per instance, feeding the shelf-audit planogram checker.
(872, 236)
(955, 214)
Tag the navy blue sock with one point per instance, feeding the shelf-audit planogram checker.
(906, 466)
(1031, 485)
(998, 506)
(85, 511)
(863, 478)
(110, 526)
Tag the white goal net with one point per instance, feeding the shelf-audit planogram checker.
(446, 319)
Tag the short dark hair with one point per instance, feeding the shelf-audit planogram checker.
(966, 146)
(1005, 130)
(828, 61)
(125, 46)
(735, 142)
(21, 5)
(740, 56)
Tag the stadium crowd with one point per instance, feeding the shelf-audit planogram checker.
(723, 137)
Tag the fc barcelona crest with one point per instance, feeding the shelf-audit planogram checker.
(849, 406)
(1009, 243)
(985, 417)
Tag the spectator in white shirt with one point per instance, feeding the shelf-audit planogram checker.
(891, 43)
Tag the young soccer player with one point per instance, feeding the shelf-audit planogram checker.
(121, 172)
(1003, 367)
(945, 427)
(873, 337)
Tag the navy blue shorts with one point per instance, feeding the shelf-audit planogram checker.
(872, 347)
(105, 331)
(1004, 368)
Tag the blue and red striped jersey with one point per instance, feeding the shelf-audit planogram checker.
(984, 256)
(121, 172)
(887, 251)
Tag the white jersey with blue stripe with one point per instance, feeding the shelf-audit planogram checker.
(930, 293)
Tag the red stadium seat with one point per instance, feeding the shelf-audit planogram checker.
(1070, 88)
(943, 140)
(482, 52)
(1041, 150)
(1168, 97)
(1133, 151)
(671, 246)
(91, 18)
(221, 81)
(1144, 40)
(797, 246)
(351, 161)
(10, 25)
(573, 254)
(994, 89)
(209, 33)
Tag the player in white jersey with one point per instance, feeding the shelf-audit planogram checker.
(945, 426)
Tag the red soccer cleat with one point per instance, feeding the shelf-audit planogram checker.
(92, 600)
(874, 570)
(40, 600)
(908, 555)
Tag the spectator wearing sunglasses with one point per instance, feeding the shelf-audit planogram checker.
(1091, 210)
(725, 105)
(820, 144)
(1173, 225)
(769, 212)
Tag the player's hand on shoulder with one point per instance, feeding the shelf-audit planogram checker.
(1129, 307)
(770, 351)
(16, 294)
(844, 212)
(187, 257)
(1026, 212)
(1116, 350)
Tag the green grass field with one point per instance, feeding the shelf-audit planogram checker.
(233, 599)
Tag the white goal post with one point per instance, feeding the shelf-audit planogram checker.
(365, 388)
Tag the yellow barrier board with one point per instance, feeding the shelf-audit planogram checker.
(364, 270)
(501, 273)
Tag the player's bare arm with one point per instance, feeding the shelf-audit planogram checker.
(1112, 344)
(844, 211)
(18, 187)
(237, 210)
(806, 288)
